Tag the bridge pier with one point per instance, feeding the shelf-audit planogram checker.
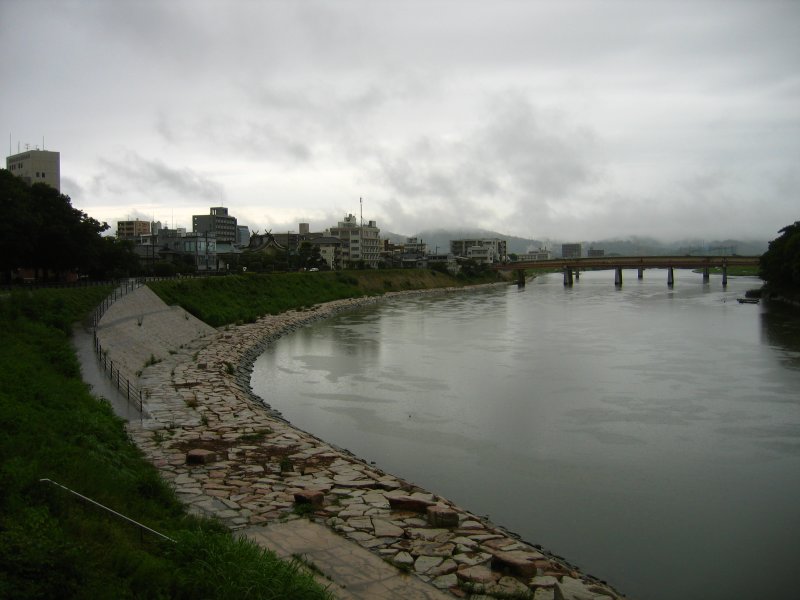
(567, 277)
(706, 275)
(618, 276)
(520, 277)
(577, 274)
(670, 277)
(640, 273)
(724, 276)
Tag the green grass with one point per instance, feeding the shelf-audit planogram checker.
(53, 545)
(735, 271)
(243, 298)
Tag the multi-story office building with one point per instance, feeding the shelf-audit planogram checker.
(482, 250)
(571, 251)
(218, 222)
(37, 166)
(360, 243)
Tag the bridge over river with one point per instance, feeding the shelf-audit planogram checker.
(573, 266)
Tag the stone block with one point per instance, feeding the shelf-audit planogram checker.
(517, 562)
(477, 574)
(383, 528)
(408, 503)
(543, 581)
(200, 456)
(313, 497)
(570, 588)
(441, 516)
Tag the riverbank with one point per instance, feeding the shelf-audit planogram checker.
(228, 455)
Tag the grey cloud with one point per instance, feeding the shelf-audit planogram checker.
(132, 172)
(523, 154)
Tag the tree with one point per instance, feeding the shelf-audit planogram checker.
(115, 258)
(309, 256)
(40, 230)
(780, 264)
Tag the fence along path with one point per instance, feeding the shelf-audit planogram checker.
(134, 329)
(131, 392)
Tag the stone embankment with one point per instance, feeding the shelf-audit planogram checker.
(228, 455)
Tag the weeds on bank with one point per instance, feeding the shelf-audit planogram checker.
(255, 436)
(243, 298)
(53, 545)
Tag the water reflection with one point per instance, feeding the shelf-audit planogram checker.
(780, 328)
(639, 431)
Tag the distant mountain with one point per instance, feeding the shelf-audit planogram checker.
(632, 246)
(637, 246)
(442, 237)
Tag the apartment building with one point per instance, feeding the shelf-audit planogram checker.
(360, 243)
(131, 230)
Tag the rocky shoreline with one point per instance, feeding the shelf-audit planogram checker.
(229, 455)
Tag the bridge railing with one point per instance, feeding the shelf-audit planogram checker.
(633, 262)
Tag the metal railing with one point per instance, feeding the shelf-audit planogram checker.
(123, 289)
(118, 379)
(115, 375)
(119, 515)
(124, 385)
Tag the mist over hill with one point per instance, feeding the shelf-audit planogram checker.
(632, 246)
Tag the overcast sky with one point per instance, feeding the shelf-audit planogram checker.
(569, 120)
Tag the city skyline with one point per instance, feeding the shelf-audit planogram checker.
(547, 120)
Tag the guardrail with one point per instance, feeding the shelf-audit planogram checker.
(141, 526)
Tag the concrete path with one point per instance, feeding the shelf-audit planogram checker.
(354, 572)
(93, 374)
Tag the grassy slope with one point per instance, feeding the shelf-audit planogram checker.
(54, 545)
(243, 298)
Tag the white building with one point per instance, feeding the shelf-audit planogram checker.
(37, 166)
(359, 242)
(487, 250)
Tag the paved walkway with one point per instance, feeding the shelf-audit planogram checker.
(354, 573)
(228, 456)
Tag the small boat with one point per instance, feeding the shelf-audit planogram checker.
(747, 300)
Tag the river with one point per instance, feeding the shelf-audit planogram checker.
(649, 435)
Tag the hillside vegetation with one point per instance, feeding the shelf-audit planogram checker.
(54, 545)
(243, 298)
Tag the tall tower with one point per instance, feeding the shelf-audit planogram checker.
(36, 166)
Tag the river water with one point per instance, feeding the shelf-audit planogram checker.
(649, 435)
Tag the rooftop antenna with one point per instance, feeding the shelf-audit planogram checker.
(361, 205)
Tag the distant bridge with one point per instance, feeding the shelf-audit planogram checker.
(573, 266)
